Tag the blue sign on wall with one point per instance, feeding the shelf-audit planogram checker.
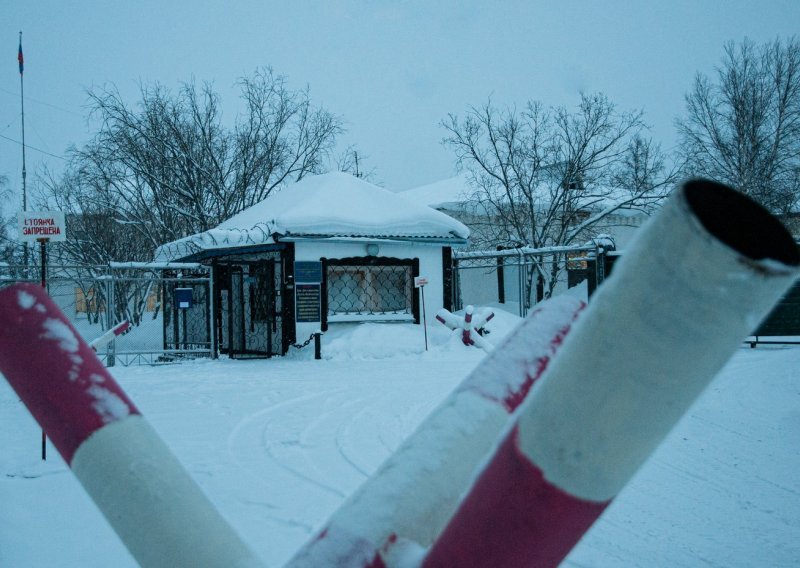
(308, 272)
(183, 298)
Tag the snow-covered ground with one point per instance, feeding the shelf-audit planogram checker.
(278, 445)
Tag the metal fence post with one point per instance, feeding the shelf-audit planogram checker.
(600, 263)
(112, 345)
(457, 303)
(501, 281)
(521, 269)
(212, 318)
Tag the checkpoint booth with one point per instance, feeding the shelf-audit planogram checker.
(328, 249)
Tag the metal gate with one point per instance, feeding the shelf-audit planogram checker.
(250, 322)
(162, 329)
(521, 277)
(783, 320)
(186, 314)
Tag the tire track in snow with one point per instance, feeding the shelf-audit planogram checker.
(344, 434)
(375, 432)
(254, 445)
(320, 439)
(286, 449)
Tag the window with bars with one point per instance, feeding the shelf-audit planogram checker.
(370, 291)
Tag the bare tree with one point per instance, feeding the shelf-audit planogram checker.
(547, 177)
(10, 249)
(744, 128)
(97, 234)
(169, 168)
(352, 162)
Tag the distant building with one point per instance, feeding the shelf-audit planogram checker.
(456, 197)
(518, 281)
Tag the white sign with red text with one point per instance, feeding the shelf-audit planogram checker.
(420, 281)
(37, 225)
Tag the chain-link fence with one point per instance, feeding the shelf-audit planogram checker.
(168, 306)
(519, 278)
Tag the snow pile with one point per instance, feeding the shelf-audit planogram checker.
(359, 341)
(378, 341)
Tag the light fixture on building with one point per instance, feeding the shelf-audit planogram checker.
(372, 249)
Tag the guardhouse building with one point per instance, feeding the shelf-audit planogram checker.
(328, 249)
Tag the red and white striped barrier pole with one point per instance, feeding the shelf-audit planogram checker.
(152, 503)
(445, 317)
(698, 279)
(415, 492)
(110, 335)
(466, 333)
(470, 324)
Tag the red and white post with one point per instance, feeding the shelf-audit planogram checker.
(110, 335)
(696, 282)
(152, 503)
(415, 492)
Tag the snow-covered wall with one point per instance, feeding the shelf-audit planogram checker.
(430, 266)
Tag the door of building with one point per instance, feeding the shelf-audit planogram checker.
(250, 322)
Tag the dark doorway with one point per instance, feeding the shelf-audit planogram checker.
(250, 307)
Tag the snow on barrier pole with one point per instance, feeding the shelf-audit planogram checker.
(415, 492)
(152, 503)
(466, 334)
(698, 279)
(110, 335)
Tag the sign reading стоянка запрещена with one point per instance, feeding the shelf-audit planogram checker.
(36, 225)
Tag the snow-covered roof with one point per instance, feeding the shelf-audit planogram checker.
(451, 191)
(332, 205)
(456, 193)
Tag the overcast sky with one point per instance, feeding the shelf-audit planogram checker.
(391, 70)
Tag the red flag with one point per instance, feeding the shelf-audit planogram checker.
(19, 57)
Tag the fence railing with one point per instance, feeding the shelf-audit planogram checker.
(168, 306)
(521, 277)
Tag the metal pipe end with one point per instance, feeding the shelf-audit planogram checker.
(741, 223)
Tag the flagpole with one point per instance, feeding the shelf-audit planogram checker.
(24, 173)
(21, 61)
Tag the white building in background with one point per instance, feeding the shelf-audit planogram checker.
(491, 283)
(326, 250)
(455, 197)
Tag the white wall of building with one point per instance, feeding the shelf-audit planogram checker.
(430, 266)
(621, 227)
